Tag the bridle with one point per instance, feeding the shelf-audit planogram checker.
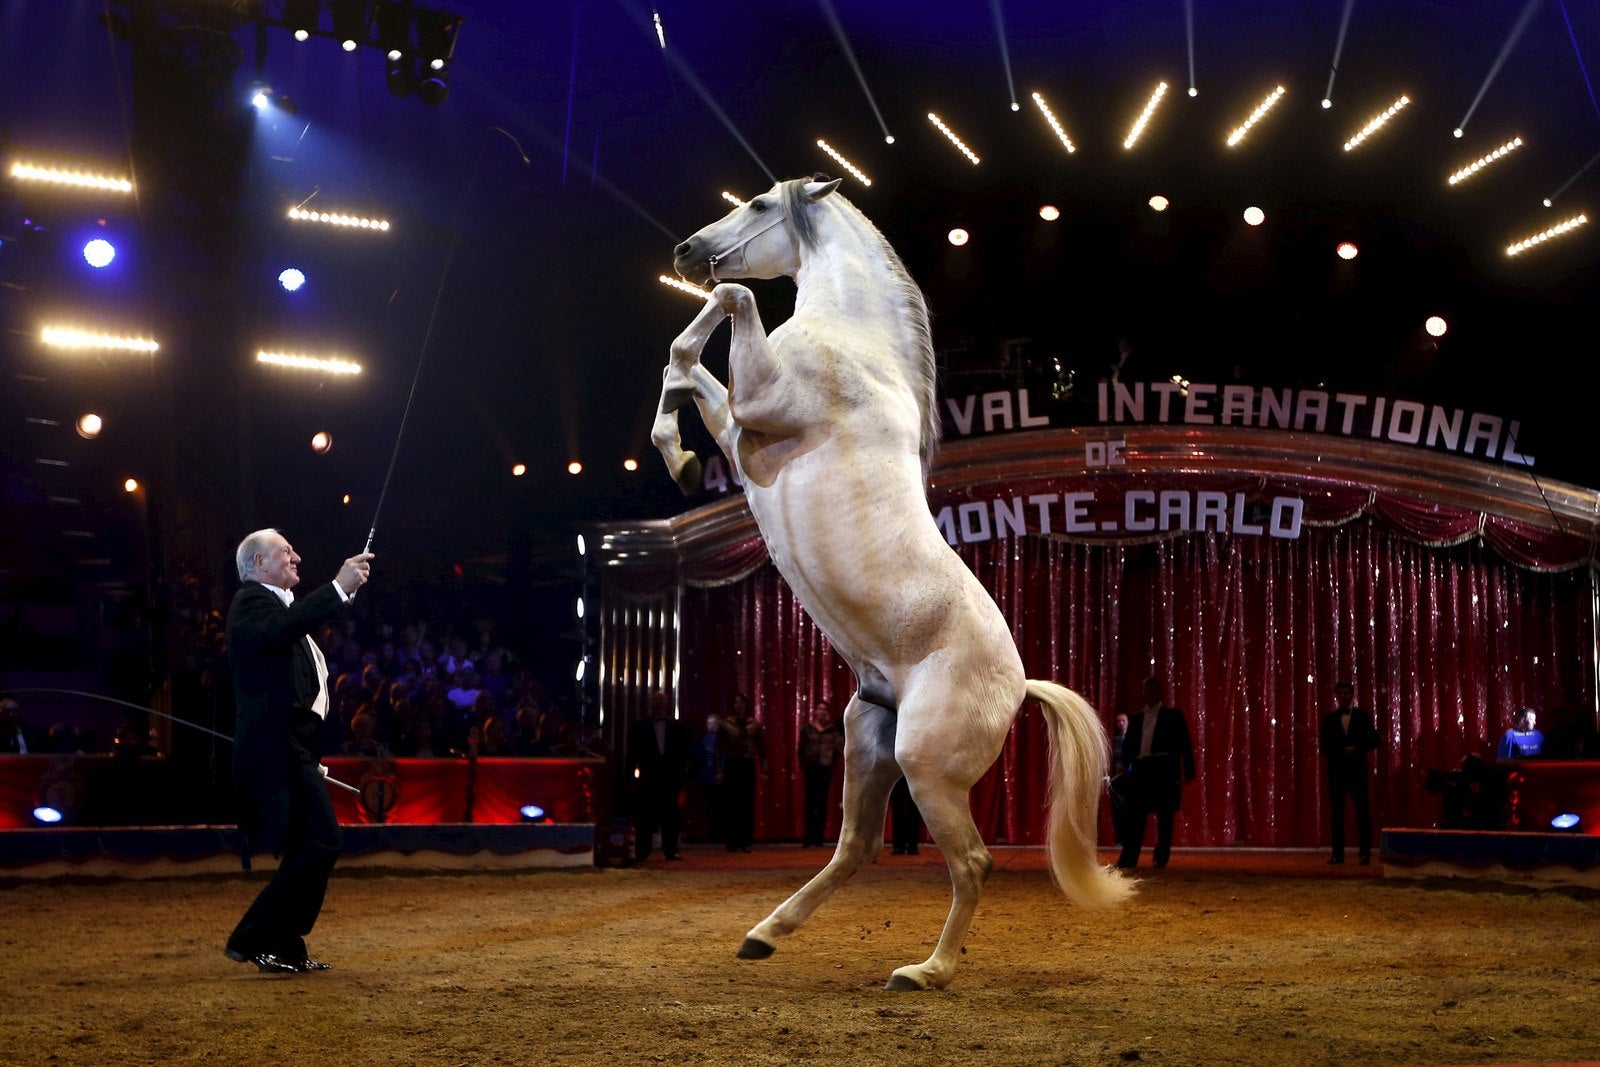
(712, 262)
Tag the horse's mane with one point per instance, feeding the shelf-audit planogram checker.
(912, 303)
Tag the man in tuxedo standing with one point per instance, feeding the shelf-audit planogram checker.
(1347, 735)
(657, 767)
(280, 682)
(1158, 757)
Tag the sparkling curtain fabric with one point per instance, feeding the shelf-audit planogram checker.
(1443, 626)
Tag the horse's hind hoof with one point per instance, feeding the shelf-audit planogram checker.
(899, 983)
(752, 949)
(692, 478)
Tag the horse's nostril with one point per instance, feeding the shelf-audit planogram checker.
(682, 250)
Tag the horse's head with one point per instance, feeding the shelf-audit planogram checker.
(761, 238)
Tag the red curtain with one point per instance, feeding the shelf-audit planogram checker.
(1442, 641)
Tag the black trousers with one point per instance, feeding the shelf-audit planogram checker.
(905, 821)
(819, 783)
(657, 809)
(1135, 812)
(1355, 787)
(739, 800)
(284, 912)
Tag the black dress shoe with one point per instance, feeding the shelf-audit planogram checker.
(309, 964)
(265, 962)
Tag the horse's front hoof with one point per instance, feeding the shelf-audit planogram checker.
(752, 949)
(692, 478)
(899, 983)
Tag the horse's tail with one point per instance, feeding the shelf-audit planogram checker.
(1078, 754)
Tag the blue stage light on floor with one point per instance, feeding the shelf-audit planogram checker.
(99, 252)
(1567, 821)
(291, 278)
(532, 813)
(46, 815)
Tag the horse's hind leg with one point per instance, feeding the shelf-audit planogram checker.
(869, 774)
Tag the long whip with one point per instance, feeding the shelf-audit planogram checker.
(170, 718)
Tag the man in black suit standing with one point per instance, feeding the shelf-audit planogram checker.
(280, 682)
(1159, 760)
(657, 767)
(1347, 735)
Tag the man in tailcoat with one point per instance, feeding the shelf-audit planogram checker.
(1158, 756)
(281, 698)
(1346, 736)
(657, 767)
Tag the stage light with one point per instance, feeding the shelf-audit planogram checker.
(436, 37)
(959, 237)
(301, 17)
(29, 172)
(1557, 230)
(730, 198)
(583, 665)
(349, 22)
(1326, 103)
(630, 465)
(327, 364)
(433, 89)
(339, 218)
(261, 99)
(46, 815)
(843, 162)
(1255, 116)
(401, 75)
(1346, 250)
(1050, 117)
(99, 252)
(1483, 161)
(1378, 122)
(321, 442)
(1015, 106)
(1193, 92)
(345, 500)
(518, 470)
(950, 134)
(130, 485)
(1567, 822)
(1435, 325)
(1458, 133)
(583, 546)
(291, 278)
(574, 467)
(1049, 213)
(69, 337)
(1254, 216)
(89, 426)
(531, 812)
(888, 138)
(1144, 116)
(661, 31)
(682, 286)
(578, 607)
(1158, 203)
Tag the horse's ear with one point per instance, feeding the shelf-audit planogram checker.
(817, 190)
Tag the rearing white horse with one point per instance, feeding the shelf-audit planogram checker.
(831, 424)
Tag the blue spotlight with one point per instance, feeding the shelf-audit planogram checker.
(1567, 822)
(46, 815)
(99, 252)
(532, 813)
(291, 278)
(261, 100)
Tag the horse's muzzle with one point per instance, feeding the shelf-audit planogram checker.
(691, 262)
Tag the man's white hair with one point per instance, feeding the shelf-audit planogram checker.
(245, 555)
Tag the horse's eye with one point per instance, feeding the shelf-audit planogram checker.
(758, 206)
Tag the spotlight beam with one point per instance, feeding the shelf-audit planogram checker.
(1188, 38)
(1578, 52)
(1505, 50)
(1568, 183)
(1338, 46)
(1005, 51)
(850, 57)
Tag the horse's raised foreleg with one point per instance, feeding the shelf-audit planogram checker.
(869, 775)
(684, 380)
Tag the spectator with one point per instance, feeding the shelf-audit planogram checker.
(744, 756)
(15, 739)
(657, 765)
(705, 785)
(1524, 740)
(1347, 735)
(1160, 760)
(820, 740)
